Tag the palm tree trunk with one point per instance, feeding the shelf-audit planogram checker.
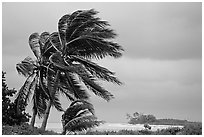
(45, 118)
(32, 123)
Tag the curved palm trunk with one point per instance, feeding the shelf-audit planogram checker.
(32, 123)
(45, 118)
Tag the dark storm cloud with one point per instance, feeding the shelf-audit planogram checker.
(145, 30)
(161, 30)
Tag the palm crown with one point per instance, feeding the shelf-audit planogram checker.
(79, 116)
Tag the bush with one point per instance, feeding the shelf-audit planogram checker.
(10, 115)
(24, 129)
(139, 118)
(127, 132)
(192, 129)
(168, 131)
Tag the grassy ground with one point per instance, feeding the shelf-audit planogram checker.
(25, 129)
(189, 129)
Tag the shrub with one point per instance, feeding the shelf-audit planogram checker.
(24, 129)
(192, 129)
(168, 131)
(139, 118)
(10, 115)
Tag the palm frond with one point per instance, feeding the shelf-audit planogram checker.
(42, 83)
(24, 93)
(26, 67)
(43, 38)
(76, 19)
(97, 90)
(32, 87)
(93, 47)
(56, 102)
(67, 93)
(85, 35)
(81, 123)
(58, 61)
(88, 26)
(34, 44)
(53, 87)
(52, 45)
(76, 109)
(62, 26)
(40, 100)
(55, 41)
(76, 87)
(83, 126)
(96, 70)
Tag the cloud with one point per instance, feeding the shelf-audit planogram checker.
(167, 89)
(146, 30)
(161, 31)
(161, 66)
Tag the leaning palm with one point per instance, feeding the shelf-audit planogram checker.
(31, 87)
(35, 85)
(79, 116)
(81, 37)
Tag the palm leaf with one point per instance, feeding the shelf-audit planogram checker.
(58, 61)
(87, 35)
(42, 83)
(62, 26)
(77, 108)
(76, 87)
(40, 100)
(96, 70)
(83, 126)
(32, 88)
(34, 44)
(97, 90)
(53, 85)
(24, 93)
(26, 67)
(52, 45)
(93, 47)
(43, 38)
(88, 26)
(76, 19)
(81, 123)
(67, 93)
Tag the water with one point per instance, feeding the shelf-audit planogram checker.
(57, 127)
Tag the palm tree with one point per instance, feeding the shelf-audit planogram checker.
(34, 71)
(81, 37)
(79, 116)
(64, 59)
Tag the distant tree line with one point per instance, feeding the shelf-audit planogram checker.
(139, 118)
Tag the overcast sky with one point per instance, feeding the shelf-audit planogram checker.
(160, 68)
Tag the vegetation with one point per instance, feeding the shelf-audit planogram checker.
(63, 63)
(139, 118)
(25, 129)
(192, 129)
(79, 116)
(10, 114)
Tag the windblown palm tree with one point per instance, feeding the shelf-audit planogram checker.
(35, 71)
(64, 59)
(79, 116)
